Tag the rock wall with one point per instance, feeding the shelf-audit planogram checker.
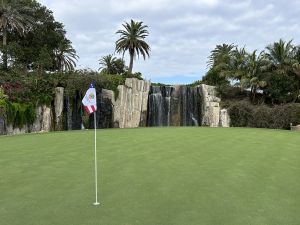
(2, 125)
(130, 108)
(105, 109)
(58, 108)
(43, 121)
(210, 106)
(47, 118)
(137, 104)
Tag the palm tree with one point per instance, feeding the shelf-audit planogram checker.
(296, 70)
(220, 59)
(221, 54)
(256, 67)
(238, 63)
(132, 40)
(112, 65)
(13, 17)
(107, 63)
(280, 54)
(65, 56)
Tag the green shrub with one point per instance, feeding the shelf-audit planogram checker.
(241, 114)
(17, 114)
(245, 114)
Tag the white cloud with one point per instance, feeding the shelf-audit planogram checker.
(182, 33)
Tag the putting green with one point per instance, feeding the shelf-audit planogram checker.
(152, 176)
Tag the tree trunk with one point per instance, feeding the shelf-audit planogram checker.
(298, 91)
(251, 93)
(254, 94)
(4, 57)
(131, 62)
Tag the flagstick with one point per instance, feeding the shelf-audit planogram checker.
(96, 182)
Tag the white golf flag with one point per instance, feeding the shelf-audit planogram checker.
(89, 101)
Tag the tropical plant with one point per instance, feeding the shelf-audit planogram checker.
(255, 68)
(221, 56)
(132, 39)
(13, 17)
(280, 55)
(65, 56)
(3, 96)
(238, 63)
(112, 65)
(296, 70)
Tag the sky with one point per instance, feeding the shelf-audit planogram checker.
(181, 33)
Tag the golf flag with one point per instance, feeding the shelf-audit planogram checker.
(89, 101)
(90, 104)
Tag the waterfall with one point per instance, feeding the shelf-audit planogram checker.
(174, 106)
(67, 112)
(159, 106)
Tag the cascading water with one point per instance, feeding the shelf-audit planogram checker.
(174, 106)
(67, 112)
(159, 106)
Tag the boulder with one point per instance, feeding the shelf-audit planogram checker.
(295, 128)
(224, 118)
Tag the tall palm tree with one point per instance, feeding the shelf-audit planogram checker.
(280, 54)
(238, 63)
(13, 17)
(220, 59)
(256, 67)
(65, 56)
(296, 70)
(132, 39)
(221, 54)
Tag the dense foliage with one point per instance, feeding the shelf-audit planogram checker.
(32, 39)
(245, 114)
(275, 72)
(37, 57)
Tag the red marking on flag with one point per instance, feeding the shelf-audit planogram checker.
(87, 109)
(93, 108)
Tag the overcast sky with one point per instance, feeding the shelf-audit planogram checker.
(182, 33)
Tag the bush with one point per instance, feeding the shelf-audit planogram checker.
(241, 114)
(245, 114)
(17, 114)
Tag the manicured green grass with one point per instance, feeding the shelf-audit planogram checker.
(152, 176)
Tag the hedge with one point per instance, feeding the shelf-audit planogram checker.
(245, 114)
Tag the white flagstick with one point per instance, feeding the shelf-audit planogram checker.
(96, 183)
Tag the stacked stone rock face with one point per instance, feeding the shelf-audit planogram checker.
(59, 106)
(42, 123)
(137, 104)
(130, 108)
(212, 115)
(105, 111)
